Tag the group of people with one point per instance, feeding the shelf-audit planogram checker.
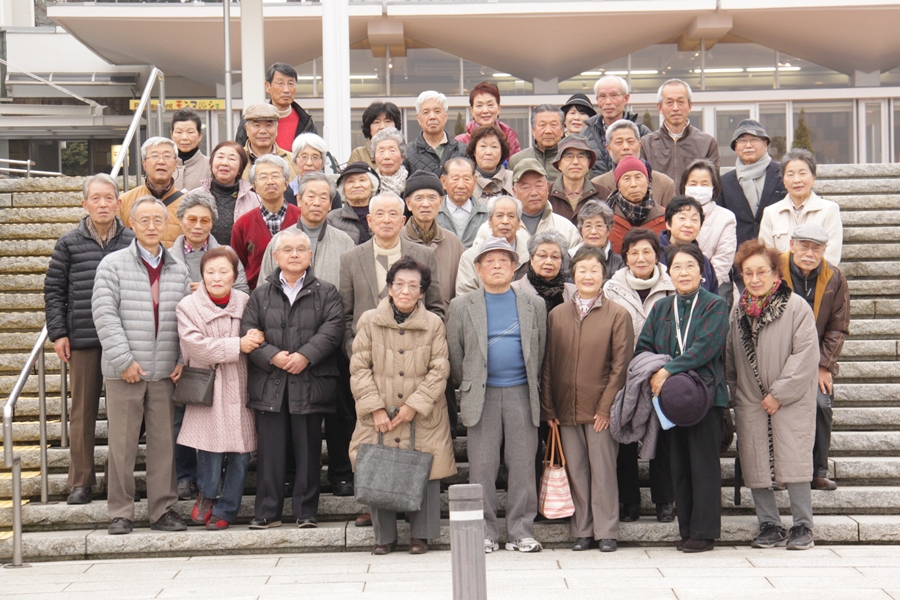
(605, 280)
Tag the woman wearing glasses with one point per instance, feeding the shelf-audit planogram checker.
(772, 363)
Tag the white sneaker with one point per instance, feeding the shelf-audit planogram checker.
(525, 545)
(490, 546)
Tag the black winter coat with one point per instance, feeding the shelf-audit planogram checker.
(312, 326)
(69, 284)
(422, 157)
(732, 198)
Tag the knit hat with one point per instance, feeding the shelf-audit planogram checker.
(422, 180)
(810, 232)
(260, 112)
(496, 243)
(524, 166)
(355, 168)
(630, 163)
(753, 128)
(582, 102)
(684, 399)
(575, 141)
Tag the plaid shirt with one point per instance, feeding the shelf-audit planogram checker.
(274, 220)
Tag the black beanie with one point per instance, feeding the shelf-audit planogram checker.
(422, 180)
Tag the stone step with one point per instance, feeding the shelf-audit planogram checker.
(46, 199)
(7, 382)
(13, 362)
(20, 341)
(868, 394)
(853, 235)
(830, 188)
(874, 309)
(866, 251)
(864, 218)
(874, 328)
(42, 215)
(22, 283)
(42, 184)
(26, 247)
(875, 469)
(869, 350)
(19, 302)
(14, 265)
(866, 203)
(873, 287)
(871, 270)
(34, 231)
(870, 371)
(21, 321)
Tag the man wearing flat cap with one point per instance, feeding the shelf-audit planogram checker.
(825, 288)
(574, 188)
(261, 124)
(755, 182)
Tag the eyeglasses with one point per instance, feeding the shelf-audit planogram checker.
(597, 227)
(640, 253)
(305, 158)
(750, 275)
(684, 268)
(603, 97)
(192, 220)
(267, 178)
(286, 84)
(147, 221)
(158, 157)
(399, 286)
(553, 257)
(570, 156)
(809, 247)
(290, 251)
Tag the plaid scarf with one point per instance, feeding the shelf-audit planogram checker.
(635, 214)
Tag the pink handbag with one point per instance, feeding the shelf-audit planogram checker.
(555, 501)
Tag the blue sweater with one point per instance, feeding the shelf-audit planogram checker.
(506, 363)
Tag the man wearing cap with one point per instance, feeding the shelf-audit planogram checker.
(623, 138)
(756, 181)
(357, 184)
(261, 123)
(504, 220)
(577, 110)
(825, 289)
(612, 96)
(574, 188)
(533, 191)
(546, 130)
(281, 86)
(631, 202)
(460, 212)
(496, 337)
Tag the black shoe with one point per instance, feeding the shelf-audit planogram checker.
(80, 495)
(770, 535)
(342, 488)
(310, 523)
(264, 523)
(608, 545)
(665, 512)
(695, 545)
(187, 490)
(801, 538)
(679, 545)
(582, 544)
(170, 521)
(630, 512)
(120, 526)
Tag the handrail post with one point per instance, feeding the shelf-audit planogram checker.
(42, 399)
(17, 511)
(64, 404)
(28, 169)
(161, 107)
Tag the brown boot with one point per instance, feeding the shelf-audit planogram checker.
(823, 483)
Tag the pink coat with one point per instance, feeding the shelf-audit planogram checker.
(211, 336)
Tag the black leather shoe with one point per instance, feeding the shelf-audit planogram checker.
(263, 524)
(80, 495)
(665, 512)
(170, 521)
(120, 526)
(695, 545)
(629, 513)
(608, 545)
(582, 544)
(342, 488)
(679, 545)
(310, 523)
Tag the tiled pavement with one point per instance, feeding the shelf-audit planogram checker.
(845, 572)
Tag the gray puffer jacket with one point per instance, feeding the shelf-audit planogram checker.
(122, 306)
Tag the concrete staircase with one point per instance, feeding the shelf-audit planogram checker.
(865, 446)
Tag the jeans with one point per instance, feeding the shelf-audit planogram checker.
(185, 457)
(209, 475)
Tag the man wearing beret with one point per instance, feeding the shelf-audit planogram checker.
(825, 288)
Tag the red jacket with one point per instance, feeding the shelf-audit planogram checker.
(251, 236)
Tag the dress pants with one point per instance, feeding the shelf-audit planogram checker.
(127, 404)
(279, 434)
(591, 466)
(661, 490)
(424, 524)
(697, 475)
(339, 427)
(506, 419)
(86, 382)
(824, 416)
(185, 456)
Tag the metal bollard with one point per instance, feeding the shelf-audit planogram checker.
(467, 542)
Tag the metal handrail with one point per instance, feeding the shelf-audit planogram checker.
(134, 128)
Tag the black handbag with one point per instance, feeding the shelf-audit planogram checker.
(195, 387)
(390, 478)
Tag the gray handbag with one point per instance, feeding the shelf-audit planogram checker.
(391, 478)
(195, 387)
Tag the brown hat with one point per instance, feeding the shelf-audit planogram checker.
(261, 112)
(574, 141)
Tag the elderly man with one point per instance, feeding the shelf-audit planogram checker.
(433, 147)
(676, 143)
(460, 212)
(546, 129)
(133, 304)
(825, 288)
(504, 221)
(533, 191)
(496, 336)
(281, 86)
(253, 231)
(631, 202)
(574, 188)
(755, 182)
(261, 125)
(357, 183)
(291, 378)
(158, 159)
(187, 133)
(612, 97)
(623, 138)
(68, 287)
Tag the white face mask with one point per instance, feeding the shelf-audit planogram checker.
(701, 194)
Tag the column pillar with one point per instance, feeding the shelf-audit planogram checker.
(253, 53)
(336, 76)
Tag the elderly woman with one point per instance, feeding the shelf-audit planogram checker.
(377, 116)
(574, 188)
(389, 152)
(637, 287)
(547, 269)
(718, 236)
(400, 360)
(802, 205)
(308, 154)
(234, 196)
(577, 109)
(595, 221)
(224, 434)
(358, 183)
(773, 357)
(589, 346)
(691, 328)
(488, 148)
(198, 214)
(484, 103)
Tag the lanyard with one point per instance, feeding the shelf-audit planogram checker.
(681, 340)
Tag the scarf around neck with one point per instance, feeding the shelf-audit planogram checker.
(399, 315)
(583, 310)
(636, 283)
(635, 214)
(752, 178)
(396, 182)
(551, 291)
(753, 306)
(426, 236)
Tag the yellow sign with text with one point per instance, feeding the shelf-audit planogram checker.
(179, 103)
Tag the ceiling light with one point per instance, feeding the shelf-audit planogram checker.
(634, 72)
(502, 75)
(363, 76)
(721, 70)
(592, 73)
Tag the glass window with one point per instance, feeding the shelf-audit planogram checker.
(739, 66)
(648, 115)
(830, 129)
(306, 74)
(872, 136)
(896, 145)
(654, 65)
(424, 69)
(520, 120)
(798, 73)
(75, 158)
(366, 74)
(773, 116)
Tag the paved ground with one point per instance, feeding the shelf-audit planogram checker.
(825, 572)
